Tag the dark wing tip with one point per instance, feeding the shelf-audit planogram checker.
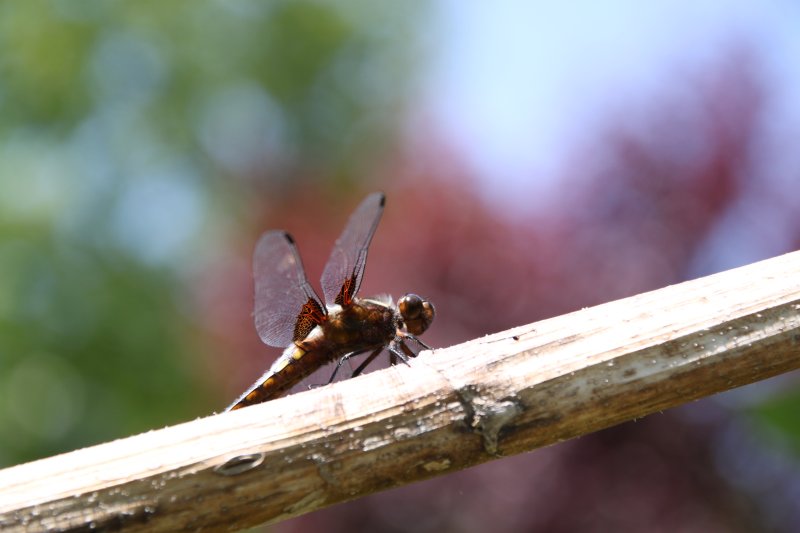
(383, 198)
(288, 237)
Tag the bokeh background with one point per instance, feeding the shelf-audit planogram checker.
(537, 159)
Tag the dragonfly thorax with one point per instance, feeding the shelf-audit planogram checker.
(361, 324)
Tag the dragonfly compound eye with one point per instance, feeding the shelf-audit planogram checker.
(417, 313)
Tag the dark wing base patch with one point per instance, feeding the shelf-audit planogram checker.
(310, 315)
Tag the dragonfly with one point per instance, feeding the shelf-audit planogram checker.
(288, 313)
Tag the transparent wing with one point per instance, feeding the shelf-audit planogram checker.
(286, 306)
(345, 268)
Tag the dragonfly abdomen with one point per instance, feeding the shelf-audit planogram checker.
(293, 366)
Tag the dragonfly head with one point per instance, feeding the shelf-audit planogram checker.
(417, 313)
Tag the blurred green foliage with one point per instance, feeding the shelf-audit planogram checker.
(92, 346)
(777, 417)
(130, 133)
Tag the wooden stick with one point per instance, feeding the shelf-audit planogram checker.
(452, 408)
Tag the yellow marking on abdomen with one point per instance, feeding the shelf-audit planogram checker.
(298, 353)
(279, 365)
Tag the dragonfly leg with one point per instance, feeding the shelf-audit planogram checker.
(342, 359)
(367, 361)
(394, 351)
(417, 340)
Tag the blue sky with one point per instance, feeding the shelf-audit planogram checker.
(516, 85)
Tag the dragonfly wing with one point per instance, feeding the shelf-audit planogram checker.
(345, 267)
(286, 306)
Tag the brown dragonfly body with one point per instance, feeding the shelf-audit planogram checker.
(288, 311)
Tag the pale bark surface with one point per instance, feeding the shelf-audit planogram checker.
(452, 408)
